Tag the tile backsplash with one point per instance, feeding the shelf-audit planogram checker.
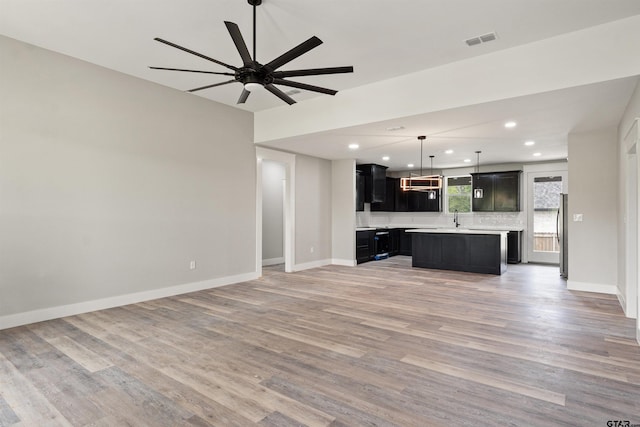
(439, 219)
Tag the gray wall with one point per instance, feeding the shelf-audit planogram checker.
(111, 185)
(343, 211)
(273, 175)
(313, 210)
(593, 246)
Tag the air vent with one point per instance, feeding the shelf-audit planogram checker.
(474, 41)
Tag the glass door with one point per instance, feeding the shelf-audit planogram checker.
(544, 189)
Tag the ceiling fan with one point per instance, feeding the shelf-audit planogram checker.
(253, 74)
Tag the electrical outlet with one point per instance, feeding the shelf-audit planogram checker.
(577, 217)
(311, 249)
(192, 265)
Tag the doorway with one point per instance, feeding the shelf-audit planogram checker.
(286, 185)
(543, 190)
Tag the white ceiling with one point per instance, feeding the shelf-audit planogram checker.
(382, 39)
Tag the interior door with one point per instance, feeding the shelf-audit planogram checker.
(544, 189)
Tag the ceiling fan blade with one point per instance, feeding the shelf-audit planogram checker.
(191, 71)
(168, 43)
(313, 72)
(304, 86)
(213, 85)
(236, 35)
(292, 54)
(280, 94)
(243, 96)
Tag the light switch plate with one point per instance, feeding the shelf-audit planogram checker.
(577, 217)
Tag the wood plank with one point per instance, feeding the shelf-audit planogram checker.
(378, 344)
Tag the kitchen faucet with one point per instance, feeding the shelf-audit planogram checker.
(455, 218)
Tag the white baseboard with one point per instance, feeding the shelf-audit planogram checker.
(345, 262)
(622, 301)
(312, 264)
(600, 288)
(272, 261)
(25, 318)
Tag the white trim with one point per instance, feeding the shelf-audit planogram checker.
(312, 264)
(289, 161)
(345, 262)
(622, 301)
(530, 172)
(18, 319)
(273, 261)
(600, 288)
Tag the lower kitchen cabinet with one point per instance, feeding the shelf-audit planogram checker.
(394, 241)
(514, 247)
(405, 242)
(398, 243)
(365, 245)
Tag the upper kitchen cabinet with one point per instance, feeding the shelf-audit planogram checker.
(419, 201)
(375, 182)
(389, 205)
(500, 191)
(359, 191)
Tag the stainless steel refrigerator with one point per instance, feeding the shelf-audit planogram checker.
(562, 226)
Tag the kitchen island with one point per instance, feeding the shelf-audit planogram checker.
(476, 251)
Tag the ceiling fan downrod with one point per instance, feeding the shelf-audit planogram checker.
(255, 4)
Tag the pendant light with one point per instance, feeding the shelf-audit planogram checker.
(478, 193)
(432, 193)
(421, 183)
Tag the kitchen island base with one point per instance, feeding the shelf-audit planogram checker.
(459, 251)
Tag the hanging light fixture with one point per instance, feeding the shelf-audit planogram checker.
(478, 193)
(432, 193)
(422, 182)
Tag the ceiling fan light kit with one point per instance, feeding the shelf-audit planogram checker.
(254, 75)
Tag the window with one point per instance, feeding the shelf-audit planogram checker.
(459, 194)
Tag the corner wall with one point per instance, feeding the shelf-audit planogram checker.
(343, 212)
(593, 247)
(313, 212)
(110, 186)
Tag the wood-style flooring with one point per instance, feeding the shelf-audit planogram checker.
(381, 344)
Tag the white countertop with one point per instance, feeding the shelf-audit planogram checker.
(434, 227)
(456, 231)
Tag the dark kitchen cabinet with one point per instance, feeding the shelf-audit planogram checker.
(405, 242)
(506, 192)
(375, 182)
(500, 191)
(394, 241)
(401, 198)
(359, 192)
(389, 202)
(365, 246)
(514, 247)
(419, 201)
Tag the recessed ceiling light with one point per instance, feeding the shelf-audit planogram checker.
(510, 125)
(353, 146)
(410, 165)
(537, 154)
(467, 160)
(530, 143)
(449, 152)
(385, 158)
(394, 128)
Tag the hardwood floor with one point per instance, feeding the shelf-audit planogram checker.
(381, 344)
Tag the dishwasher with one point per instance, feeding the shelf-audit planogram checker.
(381, 245)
